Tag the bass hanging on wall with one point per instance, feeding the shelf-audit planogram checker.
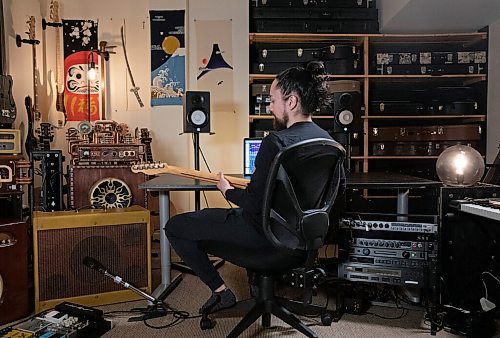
(7, 105)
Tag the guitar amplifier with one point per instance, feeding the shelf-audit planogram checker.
(118, 238)
(10, 141)
(15, 300)
(105, 186)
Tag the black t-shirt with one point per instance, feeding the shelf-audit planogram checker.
(251, 198)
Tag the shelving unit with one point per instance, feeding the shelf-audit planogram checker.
(368, 43)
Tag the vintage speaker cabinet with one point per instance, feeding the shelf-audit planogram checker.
(118, 238)
(105, 186)
(15, 299)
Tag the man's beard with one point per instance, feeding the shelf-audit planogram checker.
(280, 124)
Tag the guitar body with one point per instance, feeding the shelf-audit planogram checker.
(8, 109)
(31, 142)
(55, 117)
(56, 112)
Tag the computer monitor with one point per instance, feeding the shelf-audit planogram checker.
(250, 149)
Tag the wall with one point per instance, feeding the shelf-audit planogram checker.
(222, 150)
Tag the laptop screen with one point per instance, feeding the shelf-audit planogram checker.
(250, 149)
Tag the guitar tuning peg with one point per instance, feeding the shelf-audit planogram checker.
(162, 165)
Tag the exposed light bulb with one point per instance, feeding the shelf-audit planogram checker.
(460, 163)
(92, 73)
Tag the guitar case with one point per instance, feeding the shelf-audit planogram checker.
(315, 26)
(314, 13)
(303, 52)
(437, 69)
(314, 3)
(467, 132)
(338, 67)
(415, 148)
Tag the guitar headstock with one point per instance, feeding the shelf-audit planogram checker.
(152, 168)
(54, 10)
(31, 27)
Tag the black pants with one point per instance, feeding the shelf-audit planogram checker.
(185, 231)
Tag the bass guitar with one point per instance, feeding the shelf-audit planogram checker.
(163, 168)
(56, 114)
(8, 109)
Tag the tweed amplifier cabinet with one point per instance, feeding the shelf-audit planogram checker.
(15, 302)
(118, 238)
(105, 186)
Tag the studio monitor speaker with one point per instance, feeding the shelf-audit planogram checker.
(105, 186)
(346, 105)
(197, 112)
(118, 238)
(15, 301)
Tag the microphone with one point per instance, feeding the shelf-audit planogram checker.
(94, 264)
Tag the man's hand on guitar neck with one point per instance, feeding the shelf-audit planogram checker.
(223, 184)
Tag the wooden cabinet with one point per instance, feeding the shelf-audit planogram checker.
(466, 86)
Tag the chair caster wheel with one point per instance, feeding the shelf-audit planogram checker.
(206, 323)
(326, 318)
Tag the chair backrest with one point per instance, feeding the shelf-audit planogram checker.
(301, 188)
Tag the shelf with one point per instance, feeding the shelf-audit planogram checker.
(478, 118)
(402, 157)
(253, 77)
(464, 39)
(356, 39)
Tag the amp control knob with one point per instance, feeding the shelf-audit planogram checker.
(366, 252)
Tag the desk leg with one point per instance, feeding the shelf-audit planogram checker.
(402, 208)
(166, 286)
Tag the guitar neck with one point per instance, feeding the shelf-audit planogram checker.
(204, 176)
(35, 84)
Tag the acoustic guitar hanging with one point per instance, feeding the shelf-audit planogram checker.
(163, 168)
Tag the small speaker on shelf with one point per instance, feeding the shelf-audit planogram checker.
(118, 238)
(197, 112)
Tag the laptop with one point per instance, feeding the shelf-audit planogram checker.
(251, 147)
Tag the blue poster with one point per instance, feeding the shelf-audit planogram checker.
(168, 57)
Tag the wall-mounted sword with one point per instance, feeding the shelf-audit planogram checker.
(134, 89)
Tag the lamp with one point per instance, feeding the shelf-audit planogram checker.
(92, 72)
(460, 166)
(91, 76)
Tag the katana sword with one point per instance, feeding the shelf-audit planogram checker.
(134, 89)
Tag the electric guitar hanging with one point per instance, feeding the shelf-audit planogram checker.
(163, 168)
(31, 104)
(56, 114)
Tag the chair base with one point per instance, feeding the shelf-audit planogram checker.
(264, 306)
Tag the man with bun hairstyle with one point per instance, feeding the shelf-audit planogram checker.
(296, 93)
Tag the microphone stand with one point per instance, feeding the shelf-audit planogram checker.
(154, 310)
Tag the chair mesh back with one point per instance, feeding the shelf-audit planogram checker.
(300, 191)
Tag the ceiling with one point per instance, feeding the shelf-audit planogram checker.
(436, 16)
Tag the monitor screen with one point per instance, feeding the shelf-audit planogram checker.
(250, 149)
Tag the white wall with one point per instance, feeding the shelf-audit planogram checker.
(222, 150)
(493, 132)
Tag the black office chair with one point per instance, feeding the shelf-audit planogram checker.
(301, 188)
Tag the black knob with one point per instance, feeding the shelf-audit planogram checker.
(406, 254)
(366, 252)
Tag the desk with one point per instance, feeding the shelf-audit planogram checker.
(166, 183)
(403, 183)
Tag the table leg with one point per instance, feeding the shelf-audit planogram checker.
(402, 208)
(167, 285)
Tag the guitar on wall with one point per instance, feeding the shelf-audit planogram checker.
(56, 113)
(163, 168)
(31, 104)
(8, 109)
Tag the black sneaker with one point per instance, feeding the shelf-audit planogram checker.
(253, 283)
(218, 301)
